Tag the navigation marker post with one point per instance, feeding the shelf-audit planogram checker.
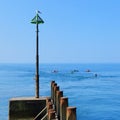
(37, 20)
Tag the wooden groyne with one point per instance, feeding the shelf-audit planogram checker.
(55, 107)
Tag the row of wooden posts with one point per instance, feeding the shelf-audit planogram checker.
(57, 105)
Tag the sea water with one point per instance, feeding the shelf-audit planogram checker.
(95, 94)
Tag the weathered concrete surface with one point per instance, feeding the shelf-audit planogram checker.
(26, 108)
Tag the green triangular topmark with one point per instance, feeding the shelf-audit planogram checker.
(37, 20)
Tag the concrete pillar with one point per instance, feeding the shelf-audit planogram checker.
(59, 94)
(63, 106)
(26, 107)
(71, 113)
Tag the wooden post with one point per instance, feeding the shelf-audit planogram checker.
(56, 88)
(51, 114)
(58, 96)
(71, 113)
(52, 83)
(48, 99)
(63, 106)
(49, 106)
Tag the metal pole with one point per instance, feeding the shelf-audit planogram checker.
(37, 20)
(37, 62)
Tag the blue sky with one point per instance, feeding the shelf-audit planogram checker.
(79, 31)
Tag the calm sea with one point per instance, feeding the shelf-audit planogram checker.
(96, 94)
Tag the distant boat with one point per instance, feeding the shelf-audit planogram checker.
(88, 70)
(73, 71)
(55, 71)
(96, 75)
